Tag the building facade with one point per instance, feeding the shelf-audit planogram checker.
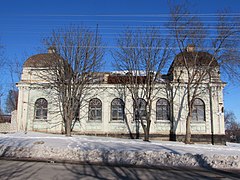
(108, 106)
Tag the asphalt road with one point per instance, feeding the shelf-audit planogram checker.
(57, 171)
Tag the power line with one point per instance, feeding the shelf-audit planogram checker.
(114, 26)
(160, 36)
(128, 20)
(142, 28)
(237, 14)
(147, 47)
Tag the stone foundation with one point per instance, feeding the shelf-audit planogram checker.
(218, 139)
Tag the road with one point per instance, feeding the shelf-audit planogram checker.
(22, 170)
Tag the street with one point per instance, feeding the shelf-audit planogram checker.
(57, 171)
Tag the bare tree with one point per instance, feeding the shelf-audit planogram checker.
(232, 127)
(231, 121)
(15, 70)
(142, 55)
(79, 53)
(11, 101)
(2, 64)
(215, 50)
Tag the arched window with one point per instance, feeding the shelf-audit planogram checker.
(41, 108)
(198, 113)
(141, 107)
(95, 110)
(162, 110)
(117, 109)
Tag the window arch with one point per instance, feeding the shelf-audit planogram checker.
(41, 108)
(141, 113)
(117, 109)
(198, 113)
(162, 109)
(95, 110)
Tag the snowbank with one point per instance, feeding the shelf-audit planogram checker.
(117, 151)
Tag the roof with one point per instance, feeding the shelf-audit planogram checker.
(119, 79)
(41, 60)
(195, 59)
(125, 79)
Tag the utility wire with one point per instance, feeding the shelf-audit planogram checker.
(237, 14)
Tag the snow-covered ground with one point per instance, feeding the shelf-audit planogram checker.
(117, 151)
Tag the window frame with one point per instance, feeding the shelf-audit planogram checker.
(200, 107)
(96, 109)
(39, 108)
(141, 109)
(161, 107)
(119, 107)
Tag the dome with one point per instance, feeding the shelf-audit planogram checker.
(195, 59)
(41, 60)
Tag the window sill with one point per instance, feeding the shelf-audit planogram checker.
(144, 120)
(116, 121)
(198, 122)
(41, 120)
(94, 121)
(163, 121)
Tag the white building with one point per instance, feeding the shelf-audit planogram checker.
(102, 113)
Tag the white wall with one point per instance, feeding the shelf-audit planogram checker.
(30, 90)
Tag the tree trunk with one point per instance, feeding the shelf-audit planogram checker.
(136, 120)
(146, 134)
(189, 116)
(147, 128)
(188, 129)
(68, 128)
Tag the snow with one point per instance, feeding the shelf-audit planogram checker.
(42, 146)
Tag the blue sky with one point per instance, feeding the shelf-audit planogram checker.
(23, 23)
